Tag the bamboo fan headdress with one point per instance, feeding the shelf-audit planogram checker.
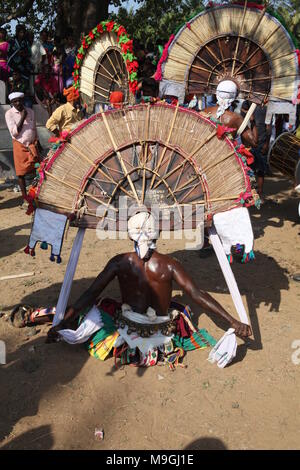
(105, 63)
(160, 154)
(232, 42)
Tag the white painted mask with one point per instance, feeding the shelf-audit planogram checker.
(143, 230)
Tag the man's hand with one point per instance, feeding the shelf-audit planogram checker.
(241, 329)
(52, 335)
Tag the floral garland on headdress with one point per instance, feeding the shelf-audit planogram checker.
(125, 43)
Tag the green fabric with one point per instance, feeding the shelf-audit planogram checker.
(108, 328)
(201, 337)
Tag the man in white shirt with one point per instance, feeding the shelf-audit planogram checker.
(22, 127)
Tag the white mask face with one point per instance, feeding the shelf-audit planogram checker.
(143, 231)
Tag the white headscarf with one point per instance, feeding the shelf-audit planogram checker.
(15, 95)
(227, 92)
(143, 231)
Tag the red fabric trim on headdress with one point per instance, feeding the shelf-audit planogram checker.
(71, 93)
(116, 99)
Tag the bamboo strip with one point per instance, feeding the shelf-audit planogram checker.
(238, 39)
(85, 193)
(165, 148)
(145, 152)
(112, 64)
(217, 30)
(119, 156)
(16, 276)
(259, 48)
(266, 62)
(218, 162)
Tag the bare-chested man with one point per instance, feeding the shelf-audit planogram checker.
(227, 92)
(145, 279)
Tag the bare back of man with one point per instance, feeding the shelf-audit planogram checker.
(234, 121)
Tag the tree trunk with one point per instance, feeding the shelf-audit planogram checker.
(80, 16)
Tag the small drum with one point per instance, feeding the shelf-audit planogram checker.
(284, 155)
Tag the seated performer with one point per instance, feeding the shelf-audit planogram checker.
(146, 321)
(227, 92)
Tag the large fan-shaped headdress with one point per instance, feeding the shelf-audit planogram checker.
(105, 63)
(246, 45)
(160, 154)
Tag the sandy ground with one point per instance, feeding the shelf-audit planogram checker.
(53, 396)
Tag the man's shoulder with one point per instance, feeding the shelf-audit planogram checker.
(166, 259)
(9, 112)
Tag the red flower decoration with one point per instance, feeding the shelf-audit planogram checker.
(91, 35)
(76, 66)
(133, 86)
(127, 46)
(132, 66)
(100, 28)
(110, 25)
(221, 130)
(121, 30)
(79, 56)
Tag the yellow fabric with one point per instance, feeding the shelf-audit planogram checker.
(298, 132)
(63, 118)
(103, 348)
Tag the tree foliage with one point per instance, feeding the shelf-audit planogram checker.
(155, 20)
(152, 21)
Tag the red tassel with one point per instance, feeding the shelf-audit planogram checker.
(221, 130)
(30, 209)
(26, 250)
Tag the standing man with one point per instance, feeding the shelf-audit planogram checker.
(21, 125)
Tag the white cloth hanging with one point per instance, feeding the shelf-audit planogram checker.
(91, 324)
(48, 227)
(68, 279)
(234, 227)
(225, 350)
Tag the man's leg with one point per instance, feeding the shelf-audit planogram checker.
(22, 184)
(260, 185)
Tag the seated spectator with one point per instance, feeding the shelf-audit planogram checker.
(38, 53)
(46, 88)
(47, 44)
(20, 53)
(4, 46)
(57, 65)
(16, 83)
(69, 59)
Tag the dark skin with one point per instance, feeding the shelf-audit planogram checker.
(18, 103)
(234, 120)
(147, 283)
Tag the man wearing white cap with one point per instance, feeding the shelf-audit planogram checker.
(21, 125)
(227, 92)
(145, 279)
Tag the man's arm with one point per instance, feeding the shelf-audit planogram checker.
(205, 300)
(13, 127)
(54, 120)
(88, 298)
(21, 122)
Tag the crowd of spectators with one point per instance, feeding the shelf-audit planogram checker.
(40, 67)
